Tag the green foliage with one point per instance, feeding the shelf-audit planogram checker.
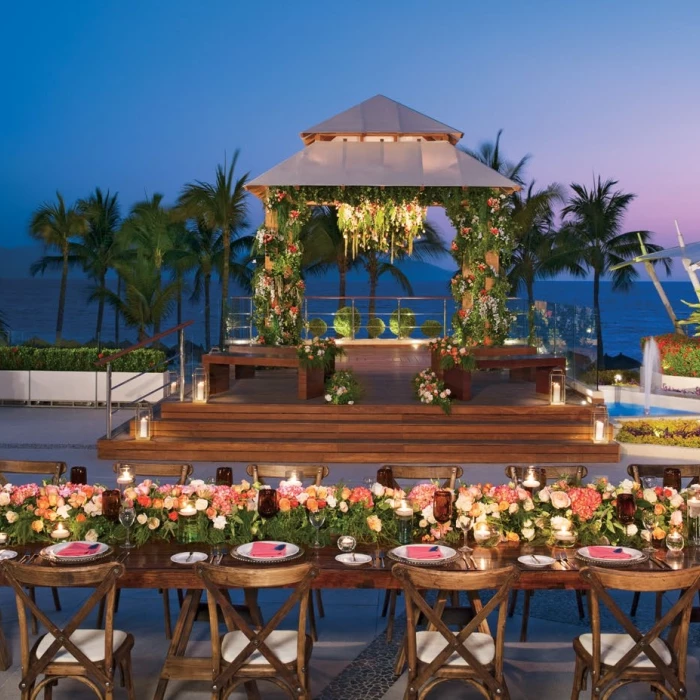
(78, 359)
(402, 322)
(607, 376)
(317, 327)
(343, 388)
(431, 328)
(680, 355)
(346, 323)
(679, 433)
(375, 327)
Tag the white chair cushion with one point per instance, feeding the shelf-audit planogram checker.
(430, 644)
(90, 642)
(282, 643)
(614, 646)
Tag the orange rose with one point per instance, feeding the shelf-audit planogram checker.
(659, 534)
(345, 493)
(81, 517)
(503, 505)
(658, 509)
(284, 505)
(211, 512)
(312, 504)
(311, 490)
(144, 501)
(38, 525)
(157, 502)
(513, 537)
(374, 523)
(88, 491)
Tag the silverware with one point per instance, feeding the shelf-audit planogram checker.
(565, 557)
(189, 556)
(381, 559)
(562, 562)
(353, 557)
(220, 556)
(473, 563)
(660, 562)
(536, 560)
(466, 561)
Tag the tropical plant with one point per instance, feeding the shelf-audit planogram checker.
(489, 153)
(56, 226)
(431, 328)
(79, 359)
(343, 388)
(402, 322)
(590, 240)
(347, 321)
(4, 329)
(223, 207)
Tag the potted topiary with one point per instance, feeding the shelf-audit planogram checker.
(347, 322)
(375, 327)
(402, 322)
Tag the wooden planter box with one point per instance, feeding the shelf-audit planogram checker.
(312, 383)
(459, 382)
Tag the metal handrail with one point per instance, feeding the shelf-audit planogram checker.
(180, 329)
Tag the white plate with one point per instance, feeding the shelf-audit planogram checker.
(635, 553)
(540, 563)
(346, 558)
(97, 549)
(447, 552)
(7, 554)
(245, 550)
(189, 557)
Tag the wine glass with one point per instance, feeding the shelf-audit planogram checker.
(127, 515)
(465, 524)
(648, 482)
(317, 519)
(649, 520)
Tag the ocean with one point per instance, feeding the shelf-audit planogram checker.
(29, 306)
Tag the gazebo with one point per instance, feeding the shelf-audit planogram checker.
(381, 164)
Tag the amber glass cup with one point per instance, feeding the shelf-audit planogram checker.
(267, 502)
(224, 476)
(672, 478)
(442, 505)
(385, 477)
(111, 500)
(626, 508)
(78, 475)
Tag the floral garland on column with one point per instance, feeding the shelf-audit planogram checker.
(278, 288)
(482, 248)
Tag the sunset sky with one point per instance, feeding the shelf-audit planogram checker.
(143, 96)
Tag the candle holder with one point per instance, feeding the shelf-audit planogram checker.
(694, 519)
(173, 386)
(78, 475)
(187, 530)
(599, 424)
(557, 387)
(291, 478)
(564, 537)
(346, 543)
(200, 386)
(404, 522)
(111, 500)
(144, 418)
(533, 479)
(485, 535)
(125, 476)
(626, 508)
(672, 478)
(267, 502)
(4, 537)
(442, 505)
(224, 476)
(60, 531)
(385, 477)
(675, 541)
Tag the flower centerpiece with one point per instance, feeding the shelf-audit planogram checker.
(432, 391)
(318, 352)
(343, 388)
(451, 354)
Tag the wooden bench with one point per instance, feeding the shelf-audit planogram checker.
(310, 381)
(459, 381)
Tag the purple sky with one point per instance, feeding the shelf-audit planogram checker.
(144, 96)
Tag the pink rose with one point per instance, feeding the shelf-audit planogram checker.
(560, 499)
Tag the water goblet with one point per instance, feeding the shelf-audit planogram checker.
(649, 482)
(464, 523)
(317, 519)
(127, 515)
(649, 521)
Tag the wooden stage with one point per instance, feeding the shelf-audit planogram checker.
(261, 419)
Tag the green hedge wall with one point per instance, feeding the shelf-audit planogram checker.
(79, 359)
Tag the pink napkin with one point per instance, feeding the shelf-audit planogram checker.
(608, 553)
(78, 549)
(268, 549)
(417, 552)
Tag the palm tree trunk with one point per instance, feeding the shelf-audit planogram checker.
(156, 322)
(530, 311)
(224, 283)
(207, 311)
(598, 325)
(342, 285)
(179, 299)
(62, 294)
(372, 271)
(100, 309)
(116, 311)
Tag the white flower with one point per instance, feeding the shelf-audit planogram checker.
(377, 489)
(91, 535)
(492, 508)
(427, 514)
(543, 495)
(423, 523)
(4, 498)
(463, 520)
(513, 508)
(328, 397)
(141, 518)
(11, 516)
(631, 530)
(168, 502)
(153, 523)
(301, 498)
(92, 509)
(646, 535)
(560, 523)
(332, 501)
(677, 518)
(626, 486)
(196, 483)
(528, 505)
(650, 495)
(62, 511)
(528, 533)
(201, 504)
(464, 503)
(219, 522)
(343, 507)
(676, 500)
(560, 499)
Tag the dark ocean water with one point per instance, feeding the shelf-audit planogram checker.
(29, 305)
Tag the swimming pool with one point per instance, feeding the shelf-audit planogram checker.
(627, 410)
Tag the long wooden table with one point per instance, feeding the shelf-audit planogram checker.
(150, 567)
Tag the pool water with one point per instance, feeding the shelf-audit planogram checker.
(625, 410)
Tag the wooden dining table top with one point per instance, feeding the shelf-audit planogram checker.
(150, 566)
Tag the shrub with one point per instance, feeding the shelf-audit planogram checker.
(680, 355)
(347, 323)
(402, 322)
(375, 327)
(431, 329)
(681, 433)
(607, 376)
(79, 359)
(317, 327)
(36, 342)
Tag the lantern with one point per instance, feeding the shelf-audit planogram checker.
(144, 418)
(557, 387)
(599, 424)
(200, 386)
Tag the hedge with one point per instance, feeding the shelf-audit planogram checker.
(347, 321)
(79, 359)
(402, 322)
(680, 355)
(673, 432)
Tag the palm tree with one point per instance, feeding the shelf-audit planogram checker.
(4, 328)
(223, 206)
(56, 226)
(534, 256)
(99, 250)
(489, 153)
(590, 239)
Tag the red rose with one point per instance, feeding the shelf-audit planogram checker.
(172, 515)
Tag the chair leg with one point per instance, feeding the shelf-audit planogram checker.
(251, 690)
(32, 596)
(250, 597)
(526, 616)
(659, 604)
(180, 597)
(579, 603)
(513, 602)
(312, 618)
(165, 594)
(385, 606)
(319, 603)
(117, 598)
(5, 654)
(129, 677)
(635, 604)
(56, 599)
(101, 614)
(579, 675)
(400, 659)
(391, 617)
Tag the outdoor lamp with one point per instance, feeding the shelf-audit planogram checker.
(200, 386)
(599, 424)
(557, 387)
(144, 418)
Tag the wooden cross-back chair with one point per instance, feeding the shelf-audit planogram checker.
(615, 660)
(54, 470)
(437, 655)
(179, 471)
(245, 654)
(315, 472)
(5, 651)
(90, 656)
(575, 473)
(447, 474)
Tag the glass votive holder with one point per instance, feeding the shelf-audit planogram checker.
(187, 531)
(565, 538)
(125, 476)
(78, 475)
(224, 476)
(675, 541)
(4, 537)
(404, 523)
(694, 520)
(200, 385)
(626, 508)
(267, 502)
(442, 505)
(346, 543)
(60, 531)
(111, 501)
(485, 535)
